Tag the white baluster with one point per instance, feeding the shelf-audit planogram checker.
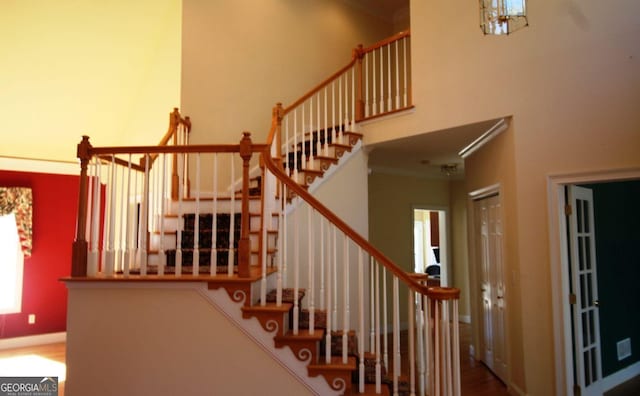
(325, 143)
(282, 253)
(127, 248)
(374, 99)
(317, 130)
(310, 157)
(385, 325)
(295, 144)
(232, 223)
(329, 300)
(377, 328)
(353, 99)
(181, 219)
(266, 219)
(333, 113)
(322, 264)
(310, 258)
(372, 305)
(340, 111)
(366, 86)
(361, 308)
(110, 233)
(456, 350)
(381, 106)
(389, 72)
(421, 345)
(447, 347)
(163, 257)
(196, 223)
(437, 351)
(92, 262)
(397, 77)
(396, 335)
(285, 251)
(144, 218)
(345, 291)
(428, 345)
(296, 271)
(213, 269)
(123, 223)
(412, 346)
(345, 122)
(334, 266)
(406, 60)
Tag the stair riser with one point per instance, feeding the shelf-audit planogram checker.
(223, 206)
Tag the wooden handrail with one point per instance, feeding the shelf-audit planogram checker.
(318, 87)
(386, 41)
(351, 233)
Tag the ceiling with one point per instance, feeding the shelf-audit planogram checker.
(423, 155)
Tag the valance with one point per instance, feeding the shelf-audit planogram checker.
(18, 200)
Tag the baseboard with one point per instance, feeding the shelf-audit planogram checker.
(40, 339)
(621, 376)
(464, 319)
(514, 389)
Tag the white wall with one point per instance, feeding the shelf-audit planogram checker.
(571, 81)
(162, 341)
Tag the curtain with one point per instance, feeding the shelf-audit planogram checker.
(19, 201)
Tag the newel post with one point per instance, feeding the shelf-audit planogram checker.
(277, 116)
(358, 54)
(79, 250)
(244, 245)
(174, 121)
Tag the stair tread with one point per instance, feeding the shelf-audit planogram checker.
(269, 307)
(303, 335)
(335, 364)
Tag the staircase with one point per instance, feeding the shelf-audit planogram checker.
(320, 289)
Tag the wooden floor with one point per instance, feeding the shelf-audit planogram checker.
(476, 378)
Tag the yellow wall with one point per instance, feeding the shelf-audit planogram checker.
(110, 70)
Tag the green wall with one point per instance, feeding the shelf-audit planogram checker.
(617, 221)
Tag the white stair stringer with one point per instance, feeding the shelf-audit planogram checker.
(252, 329)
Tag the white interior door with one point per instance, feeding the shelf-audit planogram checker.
(488, 237)
(584, 292)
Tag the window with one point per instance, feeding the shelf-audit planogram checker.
(11, 265)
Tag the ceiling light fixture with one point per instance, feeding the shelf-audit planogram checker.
(449, 169)
(503, 16)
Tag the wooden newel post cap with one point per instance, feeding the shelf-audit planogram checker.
(84, 149)
(245, 146)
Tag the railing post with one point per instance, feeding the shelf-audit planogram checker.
(358, 54)
(174, 120)
(79, 253)
(244, 245)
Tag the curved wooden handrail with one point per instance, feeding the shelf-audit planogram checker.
(350, 232)
(388, 40)
(318, 87)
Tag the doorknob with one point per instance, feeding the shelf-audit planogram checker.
(596, 303)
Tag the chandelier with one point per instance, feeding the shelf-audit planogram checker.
(502, 16)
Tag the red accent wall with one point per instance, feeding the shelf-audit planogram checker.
(55, 203)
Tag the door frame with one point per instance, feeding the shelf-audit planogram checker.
(474, 276)
(446, 270)
(559, 265)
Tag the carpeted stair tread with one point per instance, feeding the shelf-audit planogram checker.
(287, 295)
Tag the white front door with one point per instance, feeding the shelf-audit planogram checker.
(584, 292)
(488, 224)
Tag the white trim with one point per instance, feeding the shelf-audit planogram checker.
(464, 319)
(620, 376)
(559, 266)
(485, 138)
(395, 114)
(40, 339)
(39, 166)
(485, 192)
